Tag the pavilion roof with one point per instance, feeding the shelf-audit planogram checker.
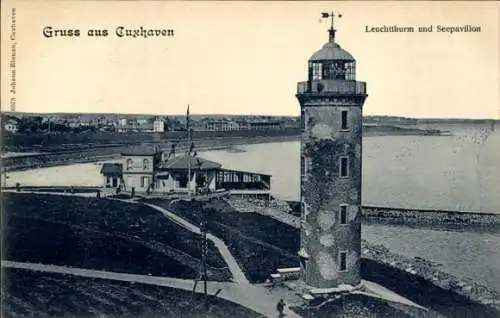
(182, 163)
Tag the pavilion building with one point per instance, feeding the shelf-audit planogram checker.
(155, 173)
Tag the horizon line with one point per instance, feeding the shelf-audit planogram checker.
(230, 114)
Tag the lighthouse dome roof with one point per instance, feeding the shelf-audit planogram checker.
(332, 51)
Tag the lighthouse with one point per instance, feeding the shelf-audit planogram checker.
(331, 105)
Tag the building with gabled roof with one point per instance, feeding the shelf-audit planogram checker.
(181, 162)
(113, 174)
(153, 172)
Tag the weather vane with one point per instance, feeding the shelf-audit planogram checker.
(326, 15)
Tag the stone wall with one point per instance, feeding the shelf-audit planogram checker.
(402, 216)
(427, 217)
(429, 272)
(331, 181)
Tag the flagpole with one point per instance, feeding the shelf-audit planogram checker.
(189, 152)
(5, 177)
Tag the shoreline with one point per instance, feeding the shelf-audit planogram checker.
(423, 272)
(33, 157)
(45, 160)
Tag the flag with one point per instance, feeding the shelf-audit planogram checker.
(325, 15)
(172, 151)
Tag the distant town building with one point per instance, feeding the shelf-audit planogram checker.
(291, 123)
(156, 173)
(261, 125)
(331, 103)
(11, 126)
(222, 125)
(134, 127)
(159, 125)
(123, 122)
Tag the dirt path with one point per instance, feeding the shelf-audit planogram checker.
(67, 194)
(257, 298)
(238, 275)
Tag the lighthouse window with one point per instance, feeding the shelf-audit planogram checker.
(343, 261)
(341, 71)
(350, 71)
(304, 210)
(343, 123)
(329, 71)
(343, 214)
(302, 119)
(316, 69)
(302, 166)
(344, 166)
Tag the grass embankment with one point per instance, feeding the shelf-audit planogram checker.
(59, 295)
(259, 244)
(102, 234)
(424, 292)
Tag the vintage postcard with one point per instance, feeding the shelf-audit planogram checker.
(250, 159)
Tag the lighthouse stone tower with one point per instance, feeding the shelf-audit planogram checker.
(331, 103)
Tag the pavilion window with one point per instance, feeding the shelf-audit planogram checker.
(129, 164)
(144, 182)
(145, 164)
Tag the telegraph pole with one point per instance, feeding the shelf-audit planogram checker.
(204, 251)
(5, 177)
(203, 274)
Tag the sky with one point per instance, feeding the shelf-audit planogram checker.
(247, 57)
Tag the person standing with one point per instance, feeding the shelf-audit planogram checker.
(280, 307)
